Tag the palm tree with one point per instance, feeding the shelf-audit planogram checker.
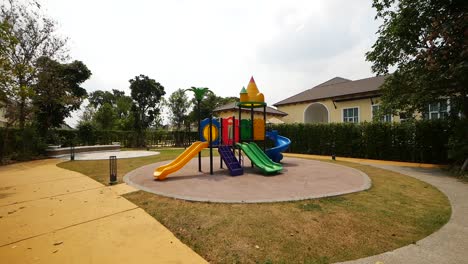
(199, 94)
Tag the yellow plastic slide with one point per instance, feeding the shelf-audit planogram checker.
(162, 172)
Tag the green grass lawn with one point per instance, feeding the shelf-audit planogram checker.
(99, 169)
(398, 210)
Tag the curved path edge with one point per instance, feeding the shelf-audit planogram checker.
(447, 245)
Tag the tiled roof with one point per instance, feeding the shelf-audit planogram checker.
(233, 107)
(334, 88)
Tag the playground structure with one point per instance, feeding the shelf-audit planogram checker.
(229, 135)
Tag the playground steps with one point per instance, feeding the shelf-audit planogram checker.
(232, 163)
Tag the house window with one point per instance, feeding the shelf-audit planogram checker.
(351, 115)
(384, 118)
(438, 110)
(404, 117)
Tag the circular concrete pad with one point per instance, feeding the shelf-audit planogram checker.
(101, 155)
(300, 179)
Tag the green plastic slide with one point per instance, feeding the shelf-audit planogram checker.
(259, 158)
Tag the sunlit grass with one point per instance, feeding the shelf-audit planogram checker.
(398, 210)
(99, 169)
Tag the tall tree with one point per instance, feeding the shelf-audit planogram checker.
(7, 44)
(178, 105)
(146, 94)
(121, 106)
(199, 94)
(106, 117)
(57, 92)
(426, 42)
(209, 103)
(88, 114)
(35, 36)
(100, 97)
(123, 110)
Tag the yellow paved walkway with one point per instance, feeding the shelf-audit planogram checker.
(52, 215)
(368, 161)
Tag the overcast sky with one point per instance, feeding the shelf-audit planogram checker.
(288, 46)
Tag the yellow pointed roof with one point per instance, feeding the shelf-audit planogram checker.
(251, 97)
(252, 89)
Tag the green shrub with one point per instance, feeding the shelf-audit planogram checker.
(87, 133)
(20, 145)
(428, 141)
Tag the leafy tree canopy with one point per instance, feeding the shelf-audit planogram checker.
(199, 92)
(106, 117)
(123, 107)
(58, 92)
(117, 102)
(146, 94)
(31, 35)
(208, 104)
(100, 97)
(178, 104)
(425, 41)
(7, 43)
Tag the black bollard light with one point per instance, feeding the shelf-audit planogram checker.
(112, 170)
(72, 152)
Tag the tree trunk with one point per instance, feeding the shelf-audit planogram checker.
(22, 103)
(464, 166)
(22, 112)
(465, 106)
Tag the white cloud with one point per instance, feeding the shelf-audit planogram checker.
(288, 46)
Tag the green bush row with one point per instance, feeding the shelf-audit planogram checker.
(126, 138)
(20, 145)
(16, 144)
(419, 141)
(438, 141)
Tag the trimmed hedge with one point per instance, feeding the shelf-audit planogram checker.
(28, 144)
(127, 138)
(420, 141)
(20, 145)
(427, 141)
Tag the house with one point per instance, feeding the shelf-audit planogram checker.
(231, 109)
(336, 100)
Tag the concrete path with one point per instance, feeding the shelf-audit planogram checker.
(368, 161)
(447, 245)
(52, 215)
(104, 155)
